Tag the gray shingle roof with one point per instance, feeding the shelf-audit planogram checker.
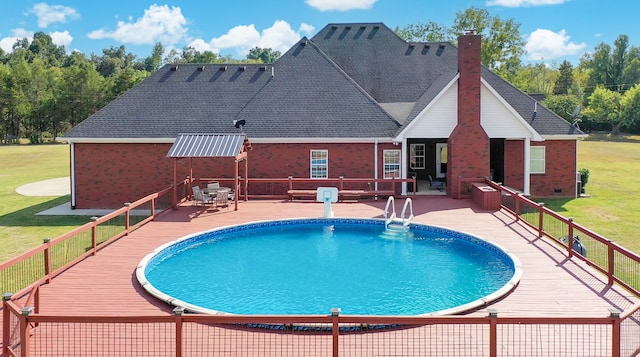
(329, 86)
(386, 66)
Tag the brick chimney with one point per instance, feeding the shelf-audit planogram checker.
(468, 146)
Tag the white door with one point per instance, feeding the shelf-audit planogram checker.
(441, 158)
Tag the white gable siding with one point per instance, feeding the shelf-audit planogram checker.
(497, 120)
(439, 119)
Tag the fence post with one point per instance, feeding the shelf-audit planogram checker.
(127, 216)
(25, 331)
(570, 237)
(614, 315)
(290, 182)
(611, 260)
(6, 326)
(94, 235)
(493, 332)
(178, 312)
(335, 329)
(541, 220)
(517, 208)
(47, 259)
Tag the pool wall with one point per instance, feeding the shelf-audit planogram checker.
(189, 240)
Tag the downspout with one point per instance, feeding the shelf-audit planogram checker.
(73, 175)
(527, 166)
(403, 166)
(375, 164)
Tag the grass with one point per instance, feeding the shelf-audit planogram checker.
(20, 228)
(611, 209)
(613, 189)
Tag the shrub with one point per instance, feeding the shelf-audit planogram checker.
(584, 176)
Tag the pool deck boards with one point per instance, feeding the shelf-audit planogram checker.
(551, 286)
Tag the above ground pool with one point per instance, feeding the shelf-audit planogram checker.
(309, 266)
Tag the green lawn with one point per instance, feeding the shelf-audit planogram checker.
(611, 210)
(614, 188)
(20, 228)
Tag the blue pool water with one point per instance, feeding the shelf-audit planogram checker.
(310, 266)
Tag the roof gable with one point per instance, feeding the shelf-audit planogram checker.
(309, 96)
(383, 64)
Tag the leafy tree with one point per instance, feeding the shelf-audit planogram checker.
(630, 103)
(534, 78)
(153, 62)
(421, 32)
(502, 44)
(265, 55)
(616, 68)
(563, 104)
(565, 79)
(604, 107)
(43, 47)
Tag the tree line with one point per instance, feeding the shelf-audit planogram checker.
(45, 91)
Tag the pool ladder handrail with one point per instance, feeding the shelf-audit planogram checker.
(405, 221)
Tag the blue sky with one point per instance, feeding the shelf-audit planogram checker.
(553, 29)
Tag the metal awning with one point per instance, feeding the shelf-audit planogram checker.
(207, 145)
(192, 146)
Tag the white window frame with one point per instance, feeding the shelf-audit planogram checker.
(319, 162)
(537, 159)
(392, 163)
(417, 162)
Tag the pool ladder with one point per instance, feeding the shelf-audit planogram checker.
(392, 219)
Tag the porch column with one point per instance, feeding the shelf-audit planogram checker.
(527, 166)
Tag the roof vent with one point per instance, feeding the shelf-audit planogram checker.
(303, 43)
(263, 68)
(242, 68)
(201, 68)
(441, 46)
(174, 67)
(223, 68)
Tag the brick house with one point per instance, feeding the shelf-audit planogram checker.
(354, 101)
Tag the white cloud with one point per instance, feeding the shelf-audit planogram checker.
(16, 34)
(158, 24)
(341, 5)
(524, 3)
(306, 29)
(48, 14)
(279, 37)
(546, 44)
(61, 38)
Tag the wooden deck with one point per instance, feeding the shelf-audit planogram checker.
(551, 285)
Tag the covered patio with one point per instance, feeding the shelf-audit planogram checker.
(211, 146)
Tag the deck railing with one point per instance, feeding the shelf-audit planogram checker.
(276, 188)
(313, 335)
(618, 264)
(186, 335)
(39, 265)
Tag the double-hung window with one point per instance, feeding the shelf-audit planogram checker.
(537, 159)
(416, 156)
(319, 164)
(391, 163)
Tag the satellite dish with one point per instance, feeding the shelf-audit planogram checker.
(576, 116)
(239, 123)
